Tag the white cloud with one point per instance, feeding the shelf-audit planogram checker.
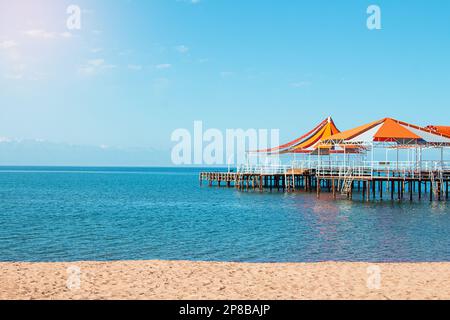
(190, 1)
(17, 76)
(86, 70)
(225, 74)
(46, 35)
(37, 76)
(135, 67)
(109, 66)
(96, 50)
(8, 44)
(66, 35)
(182, 49)
(300, 84)
(40, 34)
(126, 52)
(17, 72)
(96, 62)
(163, 66)
(94, 66)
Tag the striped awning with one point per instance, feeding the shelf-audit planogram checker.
(391, 130)
(307, 143)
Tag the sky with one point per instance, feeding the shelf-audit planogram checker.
(138, 70)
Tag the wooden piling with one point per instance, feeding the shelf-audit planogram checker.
(381, 189)
(318, 189)
(310, 181)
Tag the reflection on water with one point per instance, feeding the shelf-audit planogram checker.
(49, 214)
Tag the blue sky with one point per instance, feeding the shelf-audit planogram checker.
(138, 70)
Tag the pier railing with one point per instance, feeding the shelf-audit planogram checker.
(264, 169)
(344, 171)
(366, 169)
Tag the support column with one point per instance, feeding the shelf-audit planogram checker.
(410, 185)
(381, 189)
(431, 191)
(368, 190)
(333, 188)
(392, 189)
(318, 188)
(363, 190)
(374, 189)
(446, 190)
(419, 185)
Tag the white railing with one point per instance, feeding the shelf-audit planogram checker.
(305, 164)
(358, 168)
(264, 169)
(409, 165)
(343, 171)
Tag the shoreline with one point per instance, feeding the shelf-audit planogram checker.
(186, 280)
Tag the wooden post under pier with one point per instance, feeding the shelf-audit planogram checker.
(309, 181)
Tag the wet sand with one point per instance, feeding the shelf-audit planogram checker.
(211, 280)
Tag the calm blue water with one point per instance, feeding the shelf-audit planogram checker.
(67, 214)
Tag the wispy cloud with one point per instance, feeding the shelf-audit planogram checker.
(17, 72)
(126, 52)
(5, 140)
(66, 35)
(96, 50)
(300, 84)
(11, 76)
(163, 66)
(182, 49)
(39, 34)
(226, 74)
(46, 35)
(94, 66)
(21, 72)
(135, 67)
(190, 1)
(8, 44)
(96, 62)
(15, 68)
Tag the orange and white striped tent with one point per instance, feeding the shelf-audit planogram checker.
(310, 142)
(390, 130)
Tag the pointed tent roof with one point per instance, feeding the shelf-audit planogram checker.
(390, 130)
(309, 141)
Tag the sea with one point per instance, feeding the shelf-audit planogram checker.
(93, 213)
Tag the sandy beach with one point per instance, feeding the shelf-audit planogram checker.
(211, 280)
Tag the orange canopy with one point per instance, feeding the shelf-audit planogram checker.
(308, 142)
(445, 130)
(390, 130)
(349, 134)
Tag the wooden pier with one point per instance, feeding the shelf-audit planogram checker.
(369, 183)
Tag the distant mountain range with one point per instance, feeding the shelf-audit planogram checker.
(42, 153)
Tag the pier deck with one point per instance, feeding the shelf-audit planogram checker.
(345, 182)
